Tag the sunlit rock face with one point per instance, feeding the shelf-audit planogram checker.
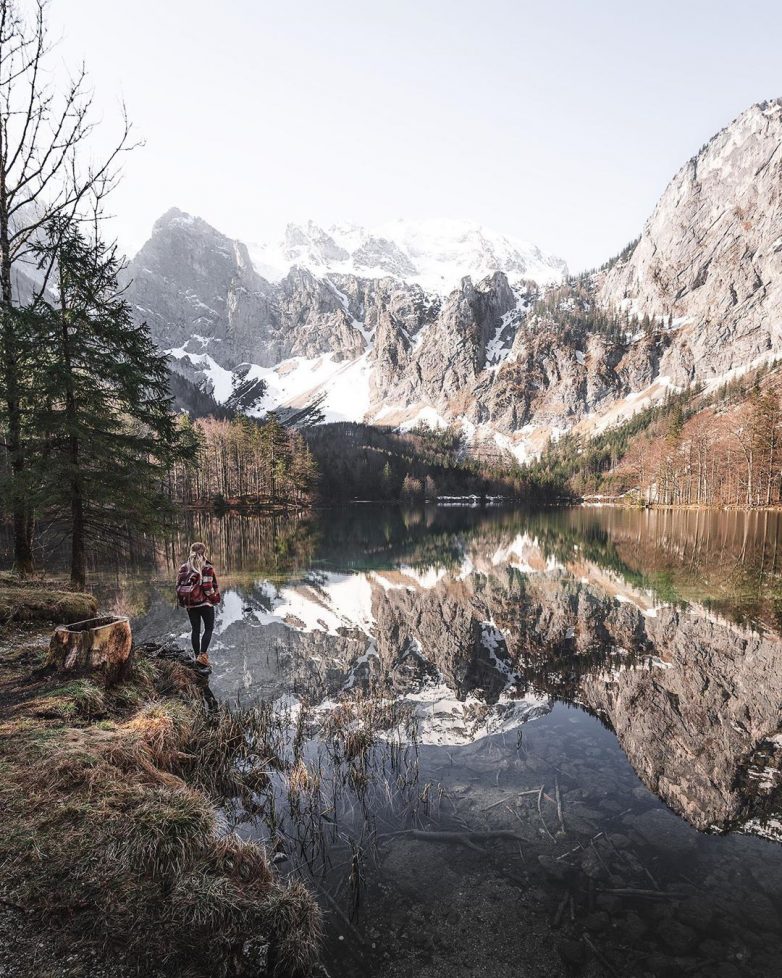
(710, 256)
(693, 729)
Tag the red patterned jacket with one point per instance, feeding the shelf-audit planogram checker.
(197, 590)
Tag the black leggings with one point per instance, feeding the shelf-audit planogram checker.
(205, 613)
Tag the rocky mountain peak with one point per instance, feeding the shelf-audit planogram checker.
(448, 322)
(709, 259)
(312, 245)
(174, 218)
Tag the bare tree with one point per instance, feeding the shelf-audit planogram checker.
(44, 174)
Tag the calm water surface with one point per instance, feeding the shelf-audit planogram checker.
(520, 744)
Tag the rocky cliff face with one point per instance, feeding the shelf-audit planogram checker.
(197, 288)
(510, 360)
(189, 281)
(710, 256)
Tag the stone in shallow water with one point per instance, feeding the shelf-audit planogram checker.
(556, 869)
(664, 831)
(597, 921)
(759, 912)
(712, 949)
(572, 952)
(727, 970)
(632, 927)
(591, 865)
(695, 913)
(678, 937)
(661, 967)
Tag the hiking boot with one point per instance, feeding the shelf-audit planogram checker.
(203, 660)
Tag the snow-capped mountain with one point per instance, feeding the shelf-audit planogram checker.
(435, 254)
(389, 327)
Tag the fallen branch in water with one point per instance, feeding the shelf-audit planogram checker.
(559, 806)
(496, 804)
(600, 957)
(561, 909)
(466, 838)
(632, 891)
(569, 852)
(339, 912)
(542, 820)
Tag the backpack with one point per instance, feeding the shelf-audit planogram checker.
(188, 590)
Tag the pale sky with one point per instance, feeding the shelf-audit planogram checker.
(558, 122)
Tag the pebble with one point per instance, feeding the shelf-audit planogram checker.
(678, 937)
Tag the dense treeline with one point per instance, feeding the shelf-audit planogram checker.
(243, 463)
(95, 418)
(724, 449)
(357, 461)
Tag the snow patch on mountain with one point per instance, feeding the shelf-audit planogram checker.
(219, 381)
(435, 254)
(339, 389)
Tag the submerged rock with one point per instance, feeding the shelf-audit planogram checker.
(572, 952)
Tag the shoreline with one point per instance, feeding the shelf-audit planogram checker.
(616, 503)
(111, 833)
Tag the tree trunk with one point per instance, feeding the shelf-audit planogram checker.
(78, 563)
(78, 568)
(22, 521)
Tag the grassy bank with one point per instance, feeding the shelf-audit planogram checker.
(111, 834)
(32, 600)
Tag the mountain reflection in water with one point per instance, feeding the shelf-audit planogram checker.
(661, 625)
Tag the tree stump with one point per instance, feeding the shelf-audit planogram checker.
(96, 645)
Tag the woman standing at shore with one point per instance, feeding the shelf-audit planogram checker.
(197, 591)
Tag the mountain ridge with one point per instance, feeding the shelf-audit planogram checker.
(511, 361)
(435, 254)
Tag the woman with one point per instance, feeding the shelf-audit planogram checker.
(197, 590)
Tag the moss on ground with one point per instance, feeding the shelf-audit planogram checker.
(27, 600)
(110, 826)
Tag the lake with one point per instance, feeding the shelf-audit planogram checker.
(517, 743)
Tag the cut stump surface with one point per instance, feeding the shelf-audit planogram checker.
(96, 645)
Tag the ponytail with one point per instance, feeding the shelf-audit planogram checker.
(197, 558)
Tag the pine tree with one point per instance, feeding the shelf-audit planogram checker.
(104, 409)
(278, 451)
(43, 175)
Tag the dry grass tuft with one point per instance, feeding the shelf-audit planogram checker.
(112, 827)
(297, 928)
(164, 728)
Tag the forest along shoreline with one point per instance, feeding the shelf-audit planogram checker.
(111, 839)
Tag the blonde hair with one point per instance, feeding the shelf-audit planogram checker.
(197, 557)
